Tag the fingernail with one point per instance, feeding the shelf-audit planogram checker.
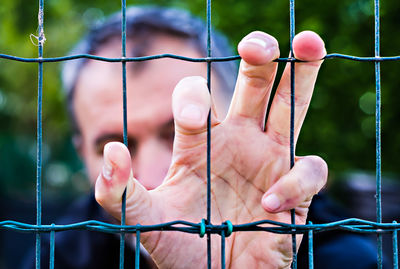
(191, 112)
(267, 44)
(271, 202)
(257, 41)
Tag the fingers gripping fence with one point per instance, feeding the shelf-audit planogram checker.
(205, 227)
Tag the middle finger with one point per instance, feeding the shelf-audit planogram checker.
(309, 47)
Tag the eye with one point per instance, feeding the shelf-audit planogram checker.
(102, 141)
(99, 147)
(132, 146)
(167, 133)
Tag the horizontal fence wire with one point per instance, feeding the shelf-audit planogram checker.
(188, 59)
(205, 227)
(351, 224)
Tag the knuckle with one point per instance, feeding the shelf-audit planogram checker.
(257, 82)
(318, 169)
(277, 136)
(253, 78)
(285, 97)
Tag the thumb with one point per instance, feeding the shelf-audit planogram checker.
(298, 186)
(115, 177)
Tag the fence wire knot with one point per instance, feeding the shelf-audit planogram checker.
(202, 228)
(40, 39)
(229, 228)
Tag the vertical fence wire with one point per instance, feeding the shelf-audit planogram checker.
(222, 249)
(292, 112)
(137, 249)
(125, 127)
(395, 248)
(52, 247)
(39, 130)
(310, 248)
(378, 131)
(209, 54)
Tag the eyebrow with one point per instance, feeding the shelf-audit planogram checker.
(109, 137)
(119, 136)
(168, 124)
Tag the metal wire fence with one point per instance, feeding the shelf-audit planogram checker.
(205, 227)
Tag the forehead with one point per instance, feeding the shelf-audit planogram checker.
(149, 86)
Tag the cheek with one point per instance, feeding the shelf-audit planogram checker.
(93, 163)
(94, 169)
(166, 158)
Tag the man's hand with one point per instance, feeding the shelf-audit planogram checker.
(251, 178)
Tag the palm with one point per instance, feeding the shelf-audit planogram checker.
(241, 173)
(247, 163)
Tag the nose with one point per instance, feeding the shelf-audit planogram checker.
(151, 162)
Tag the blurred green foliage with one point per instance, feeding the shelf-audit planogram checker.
(340, 126)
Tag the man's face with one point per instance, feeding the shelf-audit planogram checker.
(98, 106)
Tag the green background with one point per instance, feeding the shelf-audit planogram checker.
(340, 125)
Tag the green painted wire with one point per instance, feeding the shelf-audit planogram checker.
(310, 248)
(395, 249)
(229, 228)
(223, 249)
(352, 224)
(378, 132)
(125, 129)
(52, 247)
(41, 40)
(292, 114)
(224, 234)
(202, 228)
(209, 54)
(137, 248)
(189, 59)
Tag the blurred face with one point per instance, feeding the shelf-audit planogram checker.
(98, 106)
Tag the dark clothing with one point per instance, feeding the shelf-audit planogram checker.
(79, 249)
(88, 249)
(336, 249)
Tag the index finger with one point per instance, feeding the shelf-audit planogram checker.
(256, 77)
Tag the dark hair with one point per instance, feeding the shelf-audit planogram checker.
(150, 19)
